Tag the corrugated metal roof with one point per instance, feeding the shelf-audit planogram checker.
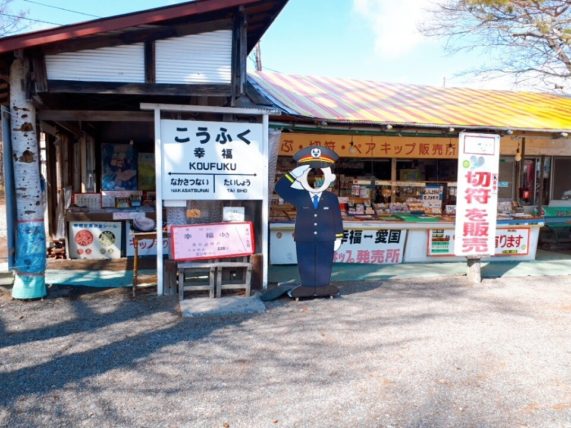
(366, 101)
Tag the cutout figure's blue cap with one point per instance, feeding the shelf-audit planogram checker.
(316, 157)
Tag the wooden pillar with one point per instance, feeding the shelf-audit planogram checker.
(30, 262)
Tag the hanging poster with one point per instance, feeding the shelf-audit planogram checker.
(431, 198)
(212, 160)
(477, 194)
(95, 239)
(118, 167)
(146, 170)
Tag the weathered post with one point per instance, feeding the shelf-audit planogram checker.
(474, 270)
(30, 261)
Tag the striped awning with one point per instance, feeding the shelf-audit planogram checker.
(370, 102)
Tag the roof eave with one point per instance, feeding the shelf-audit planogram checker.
(115, 23)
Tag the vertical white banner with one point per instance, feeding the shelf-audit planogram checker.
(477, 195)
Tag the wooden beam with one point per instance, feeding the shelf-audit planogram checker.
(40, 74)
(150, 58)
(48, 129)
(239, 54)
(243, 52)
(95, 116)
(64, 86)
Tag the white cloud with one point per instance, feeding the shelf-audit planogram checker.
(394, 23)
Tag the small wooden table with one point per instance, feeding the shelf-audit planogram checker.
(138, 236)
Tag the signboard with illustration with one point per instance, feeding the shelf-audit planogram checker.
(95, 239)
(212, 160)
(477, 194)
(211, 241)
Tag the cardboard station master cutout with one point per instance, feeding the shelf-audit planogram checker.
(318, 225)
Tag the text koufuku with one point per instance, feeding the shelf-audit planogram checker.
(212, 166)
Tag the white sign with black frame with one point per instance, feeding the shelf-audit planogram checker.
(212, 160)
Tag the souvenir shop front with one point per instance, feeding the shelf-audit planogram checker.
(397, 182)
(398, 200)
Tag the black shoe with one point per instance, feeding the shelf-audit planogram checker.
(326, 291)
(301, 292)
(277, 292)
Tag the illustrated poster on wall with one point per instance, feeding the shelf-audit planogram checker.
(118, 167)
(146, 171)
(95, 240)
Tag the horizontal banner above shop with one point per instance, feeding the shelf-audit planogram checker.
(379, 146)
(376, 146)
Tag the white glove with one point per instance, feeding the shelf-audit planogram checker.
(337, 244)
(299, 171)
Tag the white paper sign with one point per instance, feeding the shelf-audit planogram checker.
(233, 213)
(212, 160)
(477, 194)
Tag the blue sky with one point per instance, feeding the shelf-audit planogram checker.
(362, 39)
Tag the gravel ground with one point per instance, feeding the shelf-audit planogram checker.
(414, 353)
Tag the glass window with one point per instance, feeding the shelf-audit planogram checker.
(506, 178)
(561, 178)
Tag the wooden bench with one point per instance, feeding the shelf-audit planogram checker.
(229, 283)
(188, 282)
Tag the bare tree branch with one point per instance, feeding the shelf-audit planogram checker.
(530, 39)
(11, 21)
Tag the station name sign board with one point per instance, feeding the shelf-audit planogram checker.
(212, 160)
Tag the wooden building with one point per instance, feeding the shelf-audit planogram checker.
(82, 85)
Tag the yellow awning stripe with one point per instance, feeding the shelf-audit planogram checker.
(367, 101)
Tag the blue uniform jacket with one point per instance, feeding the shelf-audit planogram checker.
(323, 223)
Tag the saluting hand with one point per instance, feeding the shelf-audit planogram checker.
(299, 171)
